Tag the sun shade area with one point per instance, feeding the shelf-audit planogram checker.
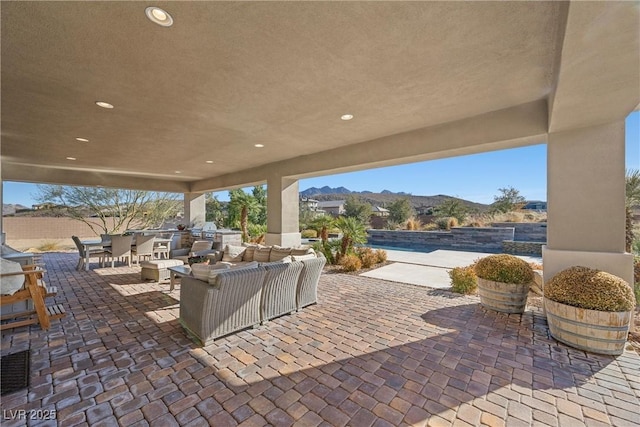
(370, 352)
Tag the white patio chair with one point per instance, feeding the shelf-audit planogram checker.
(120, 248)
(143, 247)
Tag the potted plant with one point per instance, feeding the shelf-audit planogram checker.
(503, 282)
(589, 309)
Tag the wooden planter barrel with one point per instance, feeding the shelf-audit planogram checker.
(603, 332)
(504, 297)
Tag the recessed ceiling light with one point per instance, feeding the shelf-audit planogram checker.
(159, 16)
(258, 145)
(178, 171)
(209, 161)
(346, 116)
(104, 104)
(71, 158)
(82, 139)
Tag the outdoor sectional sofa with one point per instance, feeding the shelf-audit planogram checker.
(245, 295)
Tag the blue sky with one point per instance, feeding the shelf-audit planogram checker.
(467, 177)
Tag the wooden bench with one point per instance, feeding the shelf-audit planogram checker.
(36, 291)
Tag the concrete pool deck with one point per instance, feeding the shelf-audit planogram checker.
(429, 269)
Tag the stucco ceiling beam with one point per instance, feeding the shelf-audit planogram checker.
(599, 65)
(46, 175)
(512, 127)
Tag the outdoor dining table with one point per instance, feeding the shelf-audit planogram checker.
(89, 244)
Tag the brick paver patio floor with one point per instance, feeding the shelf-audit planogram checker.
(370, 353)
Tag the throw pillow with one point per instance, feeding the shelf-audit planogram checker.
(249, 252)
(277, 253)
(302, 257)
(262, 254)
(9, 285)
(233, 253)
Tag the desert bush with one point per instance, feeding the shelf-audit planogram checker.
(49, 246)
(392, 225)
(536, 265)
(446, 223)
(367, 257)
(430, 227)
(413, 224)
(590, 289)
(350, 263)
(464, 280)
(381, 255)
(504, 268)
(309, 234)
(514, 217)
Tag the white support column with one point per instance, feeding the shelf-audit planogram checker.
(194, 209)
(586, 197)
(282, 212)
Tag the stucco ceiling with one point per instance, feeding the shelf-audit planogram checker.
(229, 75)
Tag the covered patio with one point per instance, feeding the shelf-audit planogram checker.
(235, 94)
(369, 353)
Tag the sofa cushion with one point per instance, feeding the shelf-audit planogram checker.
(302, 257)
(202, 271)
(262, 254)
(233, 253)
(249, 252)
(213, 274)
(302, 251)
(277, 253)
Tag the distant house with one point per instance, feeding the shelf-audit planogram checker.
(42, 206)
(535, 205)
(379, 211)
(310, 205)
(424, 210)
(333, 207)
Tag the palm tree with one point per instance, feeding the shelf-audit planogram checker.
(322, 224)
(353, 232)
(632, 198)
(244, 203)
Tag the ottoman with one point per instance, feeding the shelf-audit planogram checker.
(157, 269)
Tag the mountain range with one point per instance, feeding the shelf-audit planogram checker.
(385, 197)
(339, 193)
(10, 209)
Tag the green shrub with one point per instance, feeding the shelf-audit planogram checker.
(49, 246)
(309, 234)
(590, 289)
(381, 255)
(464, 280)
(446, 223)
(430, 227)
(350, 263)
(504, 268)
